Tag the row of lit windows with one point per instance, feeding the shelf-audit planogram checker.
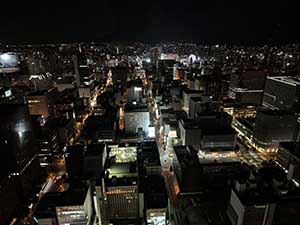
(34, 101)
(119, 191)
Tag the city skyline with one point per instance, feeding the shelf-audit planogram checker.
(150, 113)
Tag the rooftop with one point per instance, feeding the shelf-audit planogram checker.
(121, 181)
(51, 200)
(191, 171)
(260, 189)
(136, 108)
(150, 153)
(288, 80)
(276, 112)
(219, 131)
(120, 170)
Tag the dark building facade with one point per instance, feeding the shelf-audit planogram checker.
(282, 93)
(19, 164)
(274, 126)
(246, 87)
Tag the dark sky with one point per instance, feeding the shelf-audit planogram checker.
(210, 21)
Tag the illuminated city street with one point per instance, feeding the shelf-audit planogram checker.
(164, 113)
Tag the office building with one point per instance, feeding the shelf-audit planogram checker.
(100, 127)
(19, 163)
(189, 132)
(170, 126)
(246, 208)
(249, 79)
(134, 91)
(121, 184)
(282, 92)
(274, 126)
(202, 104)
(46, 135)
(154, 56)
(151, 159)
(81, 69)
(288, 155)
(165, 67)
(246, 87)
(119, 75)
(210, 130)
(156, 200)
(255, 196)
(74, 207)
(217, 84)
(121, 190)
(85, 161)
(187, 94)
(94, 160)
(224, 138)
(66, 103)
(187, 169)
(42, 102)
(246, 97)
(100, 202)
(137, 118)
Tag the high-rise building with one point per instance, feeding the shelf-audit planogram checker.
(165, 68)
(202, 104)
(150, 158)
(246, 87)
(187, 169)
(154, 55)
(258, 196)
(274, 126)
(85, 161)
(81, 69)
(119, 75)
(210, 130)
(282, 93)
(288, 155)
(42, 102)
(19, 164)
(121, 189)
(246, 208)
(134, 91)
(121, 185)
(155, 200)
(46, 136)
(137, 117)
(187, 94)
(74, 207)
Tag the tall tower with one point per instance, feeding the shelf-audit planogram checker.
(76, 69)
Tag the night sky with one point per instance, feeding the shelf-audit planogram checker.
(207, 22)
